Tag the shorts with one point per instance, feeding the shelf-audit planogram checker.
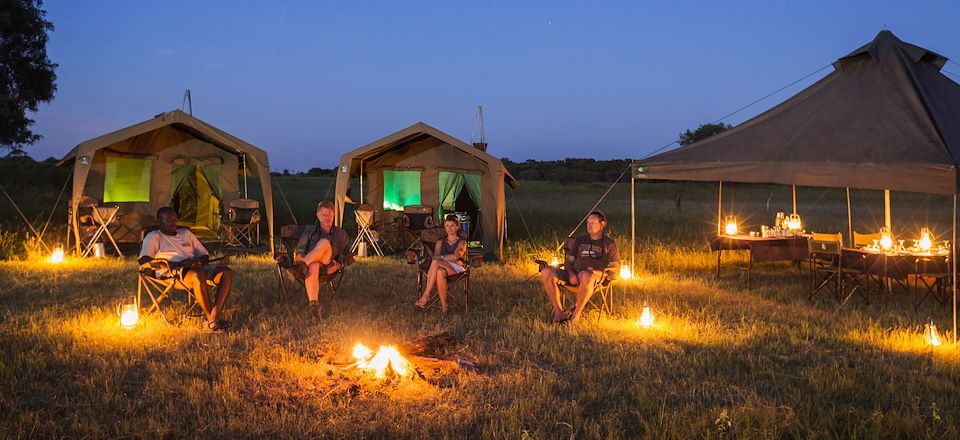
(207, 269)
(563, 275)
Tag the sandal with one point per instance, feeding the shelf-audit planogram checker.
(218, 326)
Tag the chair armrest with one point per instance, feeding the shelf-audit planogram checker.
(411, 257)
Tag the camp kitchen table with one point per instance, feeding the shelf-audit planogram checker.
(761, 249)
(897, 265)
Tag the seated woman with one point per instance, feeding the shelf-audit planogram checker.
(449, 257)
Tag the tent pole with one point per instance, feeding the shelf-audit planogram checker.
(849, 218)
(886, 208)
(794, 199)
(633, 217)
(243, 158)
(953, 251)
(361, 181)
(720, 209)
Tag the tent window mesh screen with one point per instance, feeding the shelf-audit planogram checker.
(126, 180)
(400, 188)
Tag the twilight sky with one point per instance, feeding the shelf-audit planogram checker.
(308, 81)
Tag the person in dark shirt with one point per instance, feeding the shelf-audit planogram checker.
(323, 249)
(584, 262)
(450, 256)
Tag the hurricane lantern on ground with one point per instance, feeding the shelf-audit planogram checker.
(646, 318)
(56, 257)
(731, 225)
(129, 315)
(625, 273)
(930, 334)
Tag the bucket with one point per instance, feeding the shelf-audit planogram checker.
(362, 249)
(99, 250)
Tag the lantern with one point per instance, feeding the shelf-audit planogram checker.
(930, 335)
(57, 256)
(794, 223)
(129, 315)
(646, 318)
(731, 225)
(625, 272)
(886, 238)
(925, 242)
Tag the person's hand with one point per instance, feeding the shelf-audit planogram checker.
(334, 267)
(163, 265)
(194, 263)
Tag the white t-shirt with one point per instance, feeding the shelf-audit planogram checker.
(174, 248)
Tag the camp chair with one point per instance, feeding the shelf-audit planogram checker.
(368, 229)
(286, 276)
(829, 271)
(242, 226)
(94, 222)
(415, 219)
(933, 274)
(861, 240)
(161, 288)
(424, 257)
(602, 288)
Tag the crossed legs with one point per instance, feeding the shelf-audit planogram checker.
(437, 276)
(320, 256)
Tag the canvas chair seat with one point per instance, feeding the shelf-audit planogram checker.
(831, 271)
(603, 292)
(368, 230)
(287, 275)
(241, 228)
(423, 258)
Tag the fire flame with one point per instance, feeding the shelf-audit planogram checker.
(57, 256)
(646, 318)
(387, 357)
(554, 261)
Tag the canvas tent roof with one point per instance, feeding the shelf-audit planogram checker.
(885, 118)
(192, 127)
(425, 147)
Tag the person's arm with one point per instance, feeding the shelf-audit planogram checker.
(613, 254)
(200, 255)
(436, 249)
(460, 254)
(302, 243)
(149, 248)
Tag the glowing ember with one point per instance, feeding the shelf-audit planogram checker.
(930, 334)
(57, 256)
(646, 318)
(625, 272)
(386, 359)
(925, 241)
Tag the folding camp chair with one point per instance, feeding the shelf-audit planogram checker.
(368, 230)
(861, 240)
(424, 257)
(161, 288)
(287, 276)
(602, 287)
(242, 226)
(829, 270)
(933, 274)
(415, 219)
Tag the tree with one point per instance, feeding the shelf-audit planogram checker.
(27, 76)
(702, 132)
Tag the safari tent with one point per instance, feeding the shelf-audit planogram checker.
(421, 165)
(173, 159)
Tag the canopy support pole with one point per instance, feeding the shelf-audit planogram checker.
(633, 217)
(243, 158)
(953, 251)
(794, 198)
(849, 218)
(886, 208)
(361, 181)
(720, 209)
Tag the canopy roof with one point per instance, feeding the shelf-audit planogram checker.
(176, 130)
(885, 118)
(433, 153)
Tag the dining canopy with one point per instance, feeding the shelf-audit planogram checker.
(885, 118)
(173, 159)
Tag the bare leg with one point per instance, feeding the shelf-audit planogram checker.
(223, 276)
(431, 281)
(321, 253)
(196, 281)
(584, 292)
(548, 277)
(442, 288)
(312, 283)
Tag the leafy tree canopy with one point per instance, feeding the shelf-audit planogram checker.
(702, 132)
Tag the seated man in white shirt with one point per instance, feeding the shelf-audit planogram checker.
(176, 252)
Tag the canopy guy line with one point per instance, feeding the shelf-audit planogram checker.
(55, 205)
(287, 203)
(595, 205)
(24, 217)
(745, 107)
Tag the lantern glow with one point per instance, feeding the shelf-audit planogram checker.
(554, 262)
(625, 272)
(925, 242)
(129, 315)
(731, 225)
(57, 256)
(930, 334)
(886, 238)
(794, 223)
(646, 318)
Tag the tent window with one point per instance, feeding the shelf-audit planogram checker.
(127, 180)
(400, 188)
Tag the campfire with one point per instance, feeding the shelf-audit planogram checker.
(386, 362)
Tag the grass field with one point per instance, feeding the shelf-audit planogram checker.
(721, 362)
